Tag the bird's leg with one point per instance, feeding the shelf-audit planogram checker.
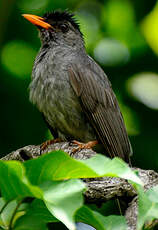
(81, 145)
(45, 144)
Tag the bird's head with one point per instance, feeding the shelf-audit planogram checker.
(57, 27)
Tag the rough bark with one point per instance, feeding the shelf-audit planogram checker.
(99, 189)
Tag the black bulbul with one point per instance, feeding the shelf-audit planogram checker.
(72, 91)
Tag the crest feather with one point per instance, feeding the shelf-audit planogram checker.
(62, 16)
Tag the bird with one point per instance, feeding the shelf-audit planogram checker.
(72, 91)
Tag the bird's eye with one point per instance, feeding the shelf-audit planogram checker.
(64, 28)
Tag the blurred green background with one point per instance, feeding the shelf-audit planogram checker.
(121, 35)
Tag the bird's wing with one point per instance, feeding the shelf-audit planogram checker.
(101, 107)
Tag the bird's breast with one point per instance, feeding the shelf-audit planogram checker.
(52, 93)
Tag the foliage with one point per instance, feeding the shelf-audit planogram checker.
(122, 36)
(52, 183)
(119, 34)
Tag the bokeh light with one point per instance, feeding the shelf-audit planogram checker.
(144, 87)
(119, 18)
(150, 28)
(111, 52)
(121, 23)
(17, 57)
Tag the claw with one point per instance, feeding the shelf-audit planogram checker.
(45, 144)
(81, 145)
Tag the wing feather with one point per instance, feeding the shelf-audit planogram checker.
(101, 107)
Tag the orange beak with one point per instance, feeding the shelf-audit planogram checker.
(36, 20)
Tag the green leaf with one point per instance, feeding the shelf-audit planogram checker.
(63, 199)
(56, 166)
(41, 178)
(2, 203)
(38, 209)
(12, 211)
(56, 195)
(37, 214)
(112, 222)
(28, 222)
(7, 214)
(152, 194)
(147, 206)
(15, 185)
(100, 222)
(115, 167)
(59, 166)
(86, 215)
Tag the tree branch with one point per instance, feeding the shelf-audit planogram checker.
(99, 189)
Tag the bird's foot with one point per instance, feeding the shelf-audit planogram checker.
(81, 145)
(45, 144)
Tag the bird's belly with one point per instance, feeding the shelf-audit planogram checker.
(62, 110)
(66, 116)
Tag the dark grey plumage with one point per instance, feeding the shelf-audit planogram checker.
(73, 92)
